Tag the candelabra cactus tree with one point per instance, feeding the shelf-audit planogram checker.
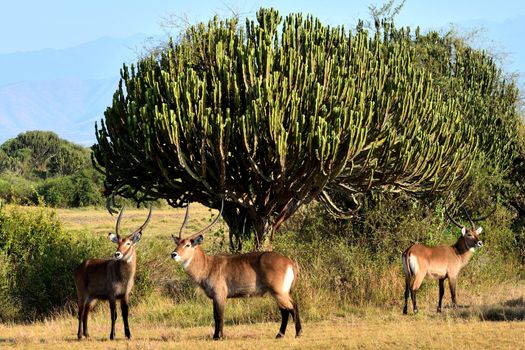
(271, 114)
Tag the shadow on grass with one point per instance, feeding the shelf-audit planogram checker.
(510, 310)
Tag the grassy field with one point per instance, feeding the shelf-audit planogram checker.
(379, 330)
(491, 317)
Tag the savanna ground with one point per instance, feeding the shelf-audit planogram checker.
(488, 316)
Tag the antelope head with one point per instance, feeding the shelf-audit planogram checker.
(470, 234)
(185, 248)
(126, 244)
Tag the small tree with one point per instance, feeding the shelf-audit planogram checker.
(267, 116)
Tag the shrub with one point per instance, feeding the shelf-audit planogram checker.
(37, 258)
(78, 190)
(15, 189)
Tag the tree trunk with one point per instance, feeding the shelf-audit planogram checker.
(239, 225)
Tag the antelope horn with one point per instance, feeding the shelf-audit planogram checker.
(210, 225)
(117, 228)
(141, 228)
(185, 220)
(486, 216)
(452, 219)
(469, 218)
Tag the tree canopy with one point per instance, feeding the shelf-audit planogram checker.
(270, 115)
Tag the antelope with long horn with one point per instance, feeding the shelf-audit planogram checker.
(109, 279)
(441, 262)
(237, 276)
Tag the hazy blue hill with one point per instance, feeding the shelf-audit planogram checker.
(64, 91)
(68, 107)
(98, 59)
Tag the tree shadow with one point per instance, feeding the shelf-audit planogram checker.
(509, 310)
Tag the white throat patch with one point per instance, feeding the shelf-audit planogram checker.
(186, 263)
(128, 259)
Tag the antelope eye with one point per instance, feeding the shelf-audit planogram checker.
(128, 243)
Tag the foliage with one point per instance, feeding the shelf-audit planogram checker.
(16, 189)
(37, 258)
(267, 115)
(42, 154)
(38, 167)
(79, 190)
(489, 102)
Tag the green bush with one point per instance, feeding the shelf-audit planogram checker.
(17, 190)
(37, 258)
(78, 190)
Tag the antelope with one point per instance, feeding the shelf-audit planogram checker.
(238, 276)
(109, 279)
(441, 262)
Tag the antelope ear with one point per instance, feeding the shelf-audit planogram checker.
(197, 240)
(136, 237)
(113, 237)
(479, 230)
(175, 239)
(463, 231)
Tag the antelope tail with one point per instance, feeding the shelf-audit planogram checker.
(406, 264)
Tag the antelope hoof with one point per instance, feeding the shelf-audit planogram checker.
(79, 336)
(415, 311)
(405, 310)
(279, 335)
(217, 337)
(439, 310)
(111, 337)
(128, 334)
(298, 334)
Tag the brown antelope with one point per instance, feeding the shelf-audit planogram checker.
(441, 262)
(109, 279)
(237, 276)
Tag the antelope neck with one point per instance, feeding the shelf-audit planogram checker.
(462, 250)
(197, 266)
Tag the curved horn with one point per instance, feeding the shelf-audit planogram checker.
(210, 225)
(117, 227)
(452, 219)
(486, 216)
(185, 220)
(469, 218)
(145, 223)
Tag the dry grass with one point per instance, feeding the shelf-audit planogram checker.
(164, 222)
(375, 332)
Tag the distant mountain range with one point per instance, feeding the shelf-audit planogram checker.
(68, 106)
(64, 91)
